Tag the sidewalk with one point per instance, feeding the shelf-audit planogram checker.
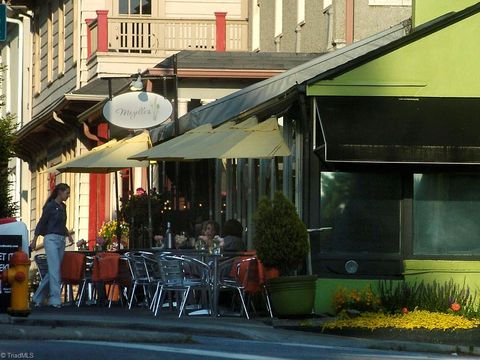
(139, 325)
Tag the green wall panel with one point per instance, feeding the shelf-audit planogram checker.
(426, 10)
(442, 64)
(441, 271)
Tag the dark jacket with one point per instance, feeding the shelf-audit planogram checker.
(53, 219)
(233, 243)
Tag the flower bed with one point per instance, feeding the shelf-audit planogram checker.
(419, 319)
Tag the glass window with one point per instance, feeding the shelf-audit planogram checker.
(135, 7)
(123, 6)
(146, 7)
(445, 213)
(361, 212)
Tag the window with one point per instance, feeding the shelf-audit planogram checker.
(37, 39)
(361, 212)
(300, 11)
(278, 17)
(135, 7)
(61, 37)
(76, 37)
(445, 213)
(49, 42)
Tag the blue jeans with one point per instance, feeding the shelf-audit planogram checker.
(52, 282)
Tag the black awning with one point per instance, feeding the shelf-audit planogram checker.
(404, 130)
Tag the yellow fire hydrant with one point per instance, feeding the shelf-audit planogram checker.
(17, 276)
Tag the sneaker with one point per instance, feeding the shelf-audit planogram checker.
(37, 305)
(58, 306)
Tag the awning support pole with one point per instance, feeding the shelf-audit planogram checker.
(149, 204)
(117, 206)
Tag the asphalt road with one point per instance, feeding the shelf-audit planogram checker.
(202, 348)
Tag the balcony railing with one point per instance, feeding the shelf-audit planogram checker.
(154, 35)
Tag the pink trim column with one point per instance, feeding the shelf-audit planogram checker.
(221, 33)
(349, 12)
(102, 32)
(89, 37)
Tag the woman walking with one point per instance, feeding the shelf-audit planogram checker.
(52, 226)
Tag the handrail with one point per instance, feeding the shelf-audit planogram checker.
(151, 35)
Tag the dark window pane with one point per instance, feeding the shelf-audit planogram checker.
(123, 6)
(146, 7)
(363, 211)
(134, 7)
(446, 208)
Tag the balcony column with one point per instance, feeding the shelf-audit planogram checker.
(89, 37)
(349, 21)
(182, 106)
(221, 31)
(102, 33)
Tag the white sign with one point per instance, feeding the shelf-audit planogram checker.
(137, 110)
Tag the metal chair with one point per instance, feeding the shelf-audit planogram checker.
(137, 262)
(42, 265)
(108, 269)
(237, 277)
(172, 270)
(86, 282)
(73, 272)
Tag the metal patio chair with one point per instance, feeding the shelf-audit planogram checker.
(137, 262)
(175, 279)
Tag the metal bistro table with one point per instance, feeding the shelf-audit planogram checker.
(213, 260)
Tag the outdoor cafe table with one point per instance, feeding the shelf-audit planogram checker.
(213, 259)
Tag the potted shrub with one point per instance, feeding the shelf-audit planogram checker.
(281, 241)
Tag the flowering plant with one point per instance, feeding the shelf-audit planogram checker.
(107, 235)
(359, 300)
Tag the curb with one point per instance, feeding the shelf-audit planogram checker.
(425, 347)
(308, 326)
(181, 332)
(161, 329)
(17, 332)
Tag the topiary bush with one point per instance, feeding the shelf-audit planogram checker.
(281, 238)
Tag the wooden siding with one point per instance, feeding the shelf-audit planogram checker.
(46, 92)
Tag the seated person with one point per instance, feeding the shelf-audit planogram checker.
(210, 229)
(232, 236)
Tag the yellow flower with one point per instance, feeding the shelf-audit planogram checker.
(417, 319)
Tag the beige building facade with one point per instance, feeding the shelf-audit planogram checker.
(319, 26)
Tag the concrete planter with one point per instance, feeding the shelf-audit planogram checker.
(292, 296)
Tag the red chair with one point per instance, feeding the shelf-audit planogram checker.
(72, 271)
(262, 278)
(250, 273)
(110, 269)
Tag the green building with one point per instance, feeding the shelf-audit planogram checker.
(385, 140)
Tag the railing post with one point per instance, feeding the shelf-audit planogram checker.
(221, 31)
(89, 37)
(102, 32)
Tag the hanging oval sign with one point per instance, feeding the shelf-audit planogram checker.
(137, 110)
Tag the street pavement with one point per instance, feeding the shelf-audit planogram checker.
(116, 328)
(200, 348)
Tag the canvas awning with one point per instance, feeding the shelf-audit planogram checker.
(172, 149)
(109, 157)
(245, 140)
(272, 96)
